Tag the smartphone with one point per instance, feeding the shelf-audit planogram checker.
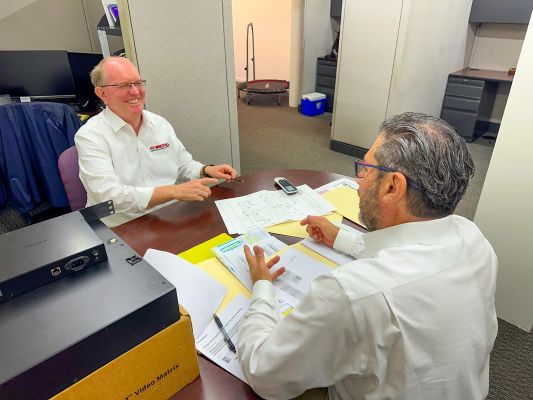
(286, 185)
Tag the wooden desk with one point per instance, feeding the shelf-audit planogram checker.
(469, 100)
(182, 225)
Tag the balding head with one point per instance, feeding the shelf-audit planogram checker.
(98, 73)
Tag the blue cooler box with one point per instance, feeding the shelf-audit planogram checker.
(313, 103)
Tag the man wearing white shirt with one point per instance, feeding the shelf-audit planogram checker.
(413, 317)
(132, 156)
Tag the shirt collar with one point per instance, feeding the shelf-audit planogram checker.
(404, 234)
(118, 123)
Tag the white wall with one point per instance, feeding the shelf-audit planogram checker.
(497, 47)
(399, 64)
(364, 69)
(432, 40)
(184, 51)
(318, 38)
(504, 212)
(49, 25)
(272, 28)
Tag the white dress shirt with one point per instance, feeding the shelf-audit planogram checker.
(116, 164)
(412, 318)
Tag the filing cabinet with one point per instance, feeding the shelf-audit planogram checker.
(326, 73)
(467, 105)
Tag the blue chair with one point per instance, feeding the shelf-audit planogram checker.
(32, 137)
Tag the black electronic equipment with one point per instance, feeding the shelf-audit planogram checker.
(60, 333)
(81, 65)
(45, 252)
(39, 74)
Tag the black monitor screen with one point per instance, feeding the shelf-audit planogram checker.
(36, 73)
(82, 65)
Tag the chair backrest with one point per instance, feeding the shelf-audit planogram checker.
(69, 170)
(32, 137)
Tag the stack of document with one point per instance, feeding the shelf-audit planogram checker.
(266, 208)
(231, 253)
(300, 269)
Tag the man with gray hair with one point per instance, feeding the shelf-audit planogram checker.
(132, 156)
(413, 316)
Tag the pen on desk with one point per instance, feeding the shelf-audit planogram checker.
(227, 339)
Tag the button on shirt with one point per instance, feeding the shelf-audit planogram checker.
(412, 318)
(116, 164)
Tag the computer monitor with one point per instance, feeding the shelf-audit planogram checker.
(81, 65)
(39, 74)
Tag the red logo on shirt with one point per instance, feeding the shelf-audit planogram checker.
(158, 147)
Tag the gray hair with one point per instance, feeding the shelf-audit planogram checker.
(430, 153)
(97, 74)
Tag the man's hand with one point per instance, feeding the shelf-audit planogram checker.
(258, 268)
(223, 171)
(320, 229)
(195, 190)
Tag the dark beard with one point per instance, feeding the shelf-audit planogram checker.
(368, 208)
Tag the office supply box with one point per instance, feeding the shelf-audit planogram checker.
(155, 369)
(313, 103)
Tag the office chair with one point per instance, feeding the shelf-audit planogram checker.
(69, 170)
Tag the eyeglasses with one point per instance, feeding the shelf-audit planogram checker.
(127, 85)
(361, 169)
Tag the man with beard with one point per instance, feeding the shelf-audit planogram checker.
(413, 316)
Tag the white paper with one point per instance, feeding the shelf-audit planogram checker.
(231, 253)
(266, 208)
(198, 292)
(350, 182)
(300, 270)
(211, 342)
(331, 254)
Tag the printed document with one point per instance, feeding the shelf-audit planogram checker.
(231, 253)
(265, 208)
(211, 342)
(300, 270)
(343, 182)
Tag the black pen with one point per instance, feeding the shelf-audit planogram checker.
(227, 339)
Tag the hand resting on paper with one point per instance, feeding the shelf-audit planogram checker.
(259, 269)
(320, 229)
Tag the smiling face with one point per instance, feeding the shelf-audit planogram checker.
(126, 103)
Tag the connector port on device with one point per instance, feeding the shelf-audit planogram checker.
(77, 264)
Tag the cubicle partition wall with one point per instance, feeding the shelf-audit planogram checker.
(184, 50)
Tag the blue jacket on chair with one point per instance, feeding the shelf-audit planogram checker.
(32, 137)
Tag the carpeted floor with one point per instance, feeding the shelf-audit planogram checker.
(273, 137)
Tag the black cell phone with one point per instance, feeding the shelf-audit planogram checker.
(286, 185)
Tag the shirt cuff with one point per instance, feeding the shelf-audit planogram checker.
(344, 241)
(142, 196)
(264, 289)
